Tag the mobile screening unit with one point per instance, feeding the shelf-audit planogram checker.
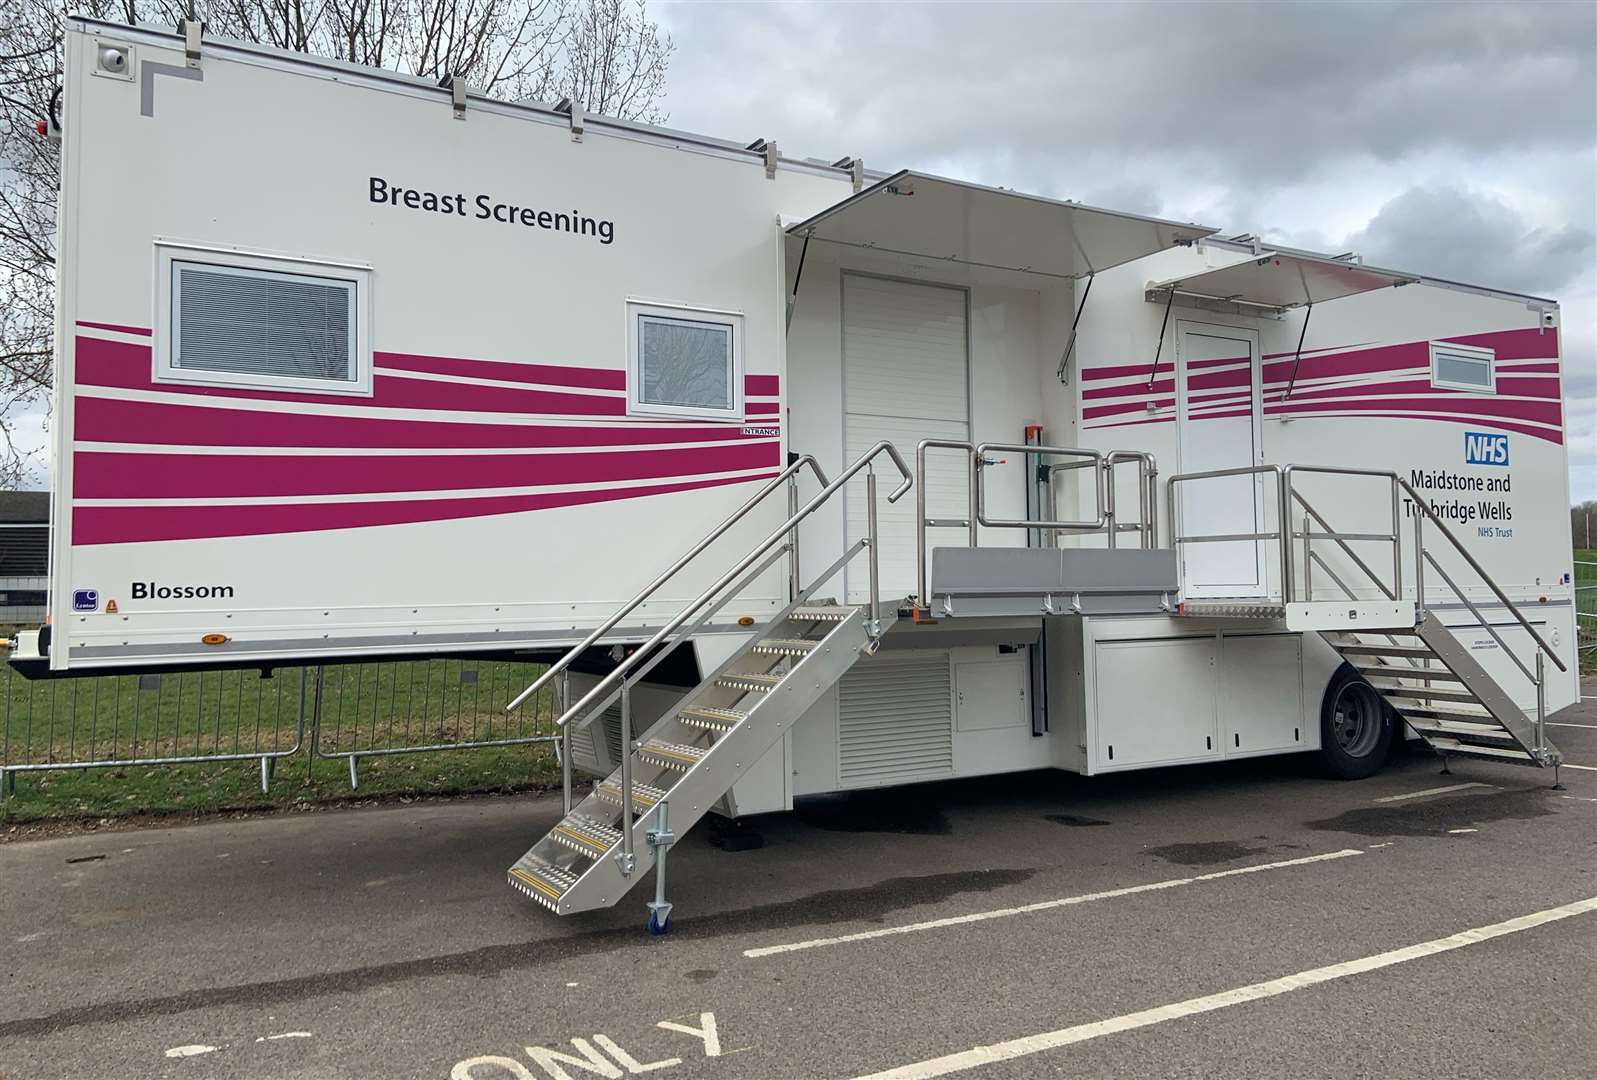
(873, 479)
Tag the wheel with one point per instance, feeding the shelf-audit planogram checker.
(658, 926)
(1356, 727)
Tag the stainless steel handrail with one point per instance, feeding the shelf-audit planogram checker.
(922, 522)
(785, 476)
(1147, 493)
(1092, 458)
(1396, 592)
(1173, 515)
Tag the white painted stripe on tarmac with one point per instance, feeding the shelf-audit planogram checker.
(1043, 905)
(1572, 765)
(1565, 723)
(1432, 791)
(1052, 1040)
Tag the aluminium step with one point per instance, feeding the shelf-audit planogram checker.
(542, 881)
(783, 647)
(1518, 755)
(644, 796)
(670, 755)
(585, 835)
(757, 683)
(1392, 671)
(1430, 693)
(1462, 732)
(1414, 652)
(712, 718)
(821, 614)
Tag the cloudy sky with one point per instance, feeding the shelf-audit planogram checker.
(1459, 141)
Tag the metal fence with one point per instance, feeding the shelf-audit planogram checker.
(1586, 607)
(335, 712)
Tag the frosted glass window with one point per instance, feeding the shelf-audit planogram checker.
(1462, 367)
(685, 363)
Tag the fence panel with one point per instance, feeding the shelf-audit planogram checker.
(409, 707)
(137, 720)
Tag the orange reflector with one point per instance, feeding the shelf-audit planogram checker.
(213, 639)
(110, 607)
(746, 621)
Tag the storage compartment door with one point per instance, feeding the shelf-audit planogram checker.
(1262, 693)
(1154, 702)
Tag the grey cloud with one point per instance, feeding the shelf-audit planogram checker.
(1474, 237)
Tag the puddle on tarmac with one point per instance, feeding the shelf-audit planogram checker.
(1075, 820)
(1435, 817)
(1205, 853)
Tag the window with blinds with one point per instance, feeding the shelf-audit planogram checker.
(262, 322)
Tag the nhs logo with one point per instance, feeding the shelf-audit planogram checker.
(1485, 448)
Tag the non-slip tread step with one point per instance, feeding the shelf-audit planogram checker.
(759, 683)
(783, 647)
(669, 755)
(710, 718)
(821, 614)
(586, 835)
(644, 796)
(543, 882)
(1417, 652)
(1393, 671)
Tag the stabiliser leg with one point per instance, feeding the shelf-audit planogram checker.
(660, 838)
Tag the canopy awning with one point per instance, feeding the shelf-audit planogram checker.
(1279, 281)
(926, 217)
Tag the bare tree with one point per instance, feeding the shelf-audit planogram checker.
(605, 54)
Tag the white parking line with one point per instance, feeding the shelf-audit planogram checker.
(1432, 791)
(1052, 1040)
(1572, 765)
(1043, 905)
(1565, 723)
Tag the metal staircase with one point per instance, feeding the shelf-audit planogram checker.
(1430, 679)
(675, 773)
(691, 757)
(1398, 645)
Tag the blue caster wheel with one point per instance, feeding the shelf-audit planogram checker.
(657, 925)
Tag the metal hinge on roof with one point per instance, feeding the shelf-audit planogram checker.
(574, 111)
(456, 85)
(856, 170)
(768, 148)
(191, 29)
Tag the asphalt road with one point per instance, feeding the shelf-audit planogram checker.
(1240, 920)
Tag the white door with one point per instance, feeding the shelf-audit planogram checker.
(905, 378)
(1218, 406)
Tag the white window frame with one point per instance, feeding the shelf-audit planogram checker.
(1463, 352)
(732, 320)
(167, 254)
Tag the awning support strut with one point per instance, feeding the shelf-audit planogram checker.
(1297, 355)
(1070, 346)
(798, 276)
(1162, 327)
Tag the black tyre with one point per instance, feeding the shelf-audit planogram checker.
(1356, 727)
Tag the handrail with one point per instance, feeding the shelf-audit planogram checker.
(1147, 494)
(1480, 571)
(622, 669)
(922, 522)
(1093, 459)
(804, 461)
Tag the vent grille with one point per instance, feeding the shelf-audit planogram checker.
(895, 722)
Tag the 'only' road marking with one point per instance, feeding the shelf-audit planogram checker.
(1051, 1040)
(1044, 905)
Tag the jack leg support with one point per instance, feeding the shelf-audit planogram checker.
(660, 839)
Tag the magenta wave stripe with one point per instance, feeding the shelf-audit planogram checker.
(508, 371)
(100, 474)
(1137, 389)
(1543, 434)
(1547, 412)
(762, 385)
(761, 408)
(1529, 343)
(92, 525)
(1125, 407)
(142, 331)
(1506, 386)
(160, 423)
(127, 366)
(1529, 369)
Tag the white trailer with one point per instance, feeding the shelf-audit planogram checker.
(351, 365)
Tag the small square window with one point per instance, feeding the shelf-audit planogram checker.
(685, 362)
(1462, 367)
(227, 319)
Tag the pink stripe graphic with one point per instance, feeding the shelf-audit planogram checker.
(93, 525)
(142, 331)
(111, 420)
(116, 475)
(762, 385)
(549, 374)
